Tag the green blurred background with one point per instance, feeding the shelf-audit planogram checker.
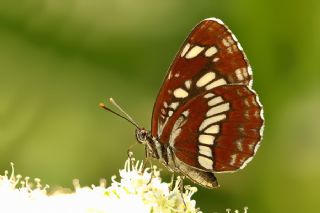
(59, 59)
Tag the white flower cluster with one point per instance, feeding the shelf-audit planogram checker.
(138, 190)
(145, 191)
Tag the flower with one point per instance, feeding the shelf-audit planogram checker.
(146, 186)
(137, 190)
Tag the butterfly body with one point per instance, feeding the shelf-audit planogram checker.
(206, 118)
(165, 154)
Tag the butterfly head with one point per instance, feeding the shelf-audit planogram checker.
(141, 135)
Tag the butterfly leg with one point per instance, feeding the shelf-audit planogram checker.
(181, 186)
(146, 159)
(129, 151)
(171, 182)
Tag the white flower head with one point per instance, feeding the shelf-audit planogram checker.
(147, 185)
(137, 190)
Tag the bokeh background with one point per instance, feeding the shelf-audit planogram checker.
(59, 59)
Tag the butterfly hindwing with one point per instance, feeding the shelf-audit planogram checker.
(203, 178)
(220, 137)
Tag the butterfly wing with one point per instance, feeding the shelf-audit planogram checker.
(218, 130)
(210, 47)
(210, 61)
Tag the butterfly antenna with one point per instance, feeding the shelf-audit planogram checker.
(127, 118)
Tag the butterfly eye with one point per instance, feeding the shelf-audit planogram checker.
(141, 135)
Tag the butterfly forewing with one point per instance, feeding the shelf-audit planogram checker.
(210, 47)
(206, 110)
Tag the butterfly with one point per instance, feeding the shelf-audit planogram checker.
(207, 119)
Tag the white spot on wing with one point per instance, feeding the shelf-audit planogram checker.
(215, 101)
(194, 52)
(218, 109)
(244, 72)
(216, 83)
(214, 129)
(205, 79)
(174, 105)
(211, 120)
(176, 130)
(227, 41)
(230, 39)
(233, 159)
(206, 139)
(180, 93)
(217, 118)
(232, 49)
(208, 95)
(239, 74)
(185, 113)
(187, 84)
(204, 150)
(216, 59)
(239, 145)
(185, 49)
(205, 162)
(211, 51)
